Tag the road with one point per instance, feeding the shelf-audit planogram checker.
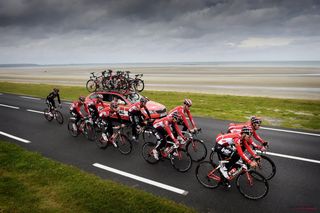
(295, 188)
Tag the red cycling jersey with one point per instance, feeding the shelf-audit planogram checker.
(236, 128)
(136, 107)
(76, 105)
(235, 139)
(100, 105)
(165, 123)
(182, 112)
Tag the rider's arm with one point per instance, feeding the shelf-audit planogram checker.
(257, 137)
(184, 119)
(240, 152)
(58, 96)
(251, 142)
(191, 119)
(251, 152)
(86, 109)
(169, 132)
(148, 113)
(175, 125)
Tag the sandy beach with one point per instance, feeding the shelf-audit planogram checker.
(279, 82)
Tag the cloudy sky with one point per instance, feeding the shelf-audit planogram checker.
(115, 31)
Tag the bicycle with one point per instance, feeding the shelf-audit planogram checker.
(95, 83)
(179, 158)
(85, 127)
(118, 140)
(250, 184)
(195, 147)
(53, 113)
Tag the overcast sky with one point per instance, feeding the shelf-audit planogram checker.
(115, 31)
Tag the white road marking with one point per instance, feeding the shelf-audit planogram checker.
(68, 103)
(290, 131)
(145, 180)
(1, 94)
(293, 157)
(15, 137)
(31, 110)
(8, 106)
(27, 97)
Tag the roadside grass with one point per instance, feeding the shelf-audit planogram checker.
(290, 113)
(30, 182)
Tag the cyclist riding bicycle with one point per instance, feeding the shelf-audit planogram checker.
(232, 146)
(50, 99)
(137, 117)
(163, 130)
(75, 110)
(183, 111)
(92, 107)
(254, 124)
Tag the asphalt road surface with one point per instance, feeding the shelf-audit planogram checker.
(295, 188)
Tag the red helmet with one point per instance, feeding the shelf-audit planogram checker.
(187, 102)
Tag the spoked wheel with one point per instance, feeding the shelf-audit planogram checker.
(124, 144)
(91, 85)
(148, 134)
(181, 160)
(208, 174)
(47, 115)
(89, 132)
(252, 185)
(147, 152)
(100, 142)
(73, 129)
(59, 117)
(197, 150)
(139, 85)
(213, 156)
(266, 167)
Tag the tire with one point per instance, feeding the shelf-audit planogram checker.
(107, 84)
(197, 150)
(89, 132)
(72, 131)
(124, 144)
(182, 161)
(148, 134)
(255, 189)
(139, 85)
(100, 142)
(266, 167)
(147, 152)
(46, 114)
(59, 117)
(206, 177)
(91, 85)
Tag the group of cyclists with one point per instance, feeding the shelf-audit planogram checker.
(231, 146)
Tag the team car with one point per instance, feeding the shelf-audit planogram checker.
(156, 110)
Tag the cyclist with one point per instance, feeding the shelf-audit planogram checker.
(75, 110)
(137, 117)
(50, 99)
(232, 146)
(254, 124)
(182, 111)
(92, 107)
(163, 130)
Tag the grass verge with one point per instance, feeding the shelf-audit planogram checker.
(291, 113)
(32, 183)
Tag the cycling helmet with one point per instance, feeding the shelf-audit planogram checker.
(55, 89)
(255, 120)
(114, 106)
(99, 96)
(246, 130)
(143, 100)
(187, 102)
(175, 115)
(82, 98)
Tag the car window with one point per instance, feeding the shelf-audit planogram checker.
(107, 97)
(133, 98)
(120, 99)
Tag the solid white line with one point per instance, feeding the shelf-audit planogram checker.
(14, 137)
(290, 131)
(67, 103)
(31, 110)
(293, 157)
(1, 94)
(145, 180)
(27, 97)
(8, 106)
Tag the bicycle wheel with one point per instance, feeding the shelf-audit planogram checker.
(148, 134)
(181, 160)
(100, 142)
(197, 150)
(266, 167)
(124, 144)
(59, 117)
(73, 129)
(147, 152)
(208, 175)
(89, 132)
(139, 85)
(91, 85)
(252, 185)
(46, 113)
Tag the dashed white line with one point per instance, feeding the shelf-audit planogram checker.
(290, 131)
(27, 97)
(141, 179)
(14, 137)
(8, 106)
(31, 110)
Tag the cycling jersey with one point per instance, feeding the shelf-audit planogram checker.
(76, 106)
(53, 95)
(135, 113)
(136, 108)
(182, 112)
(165, 123)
